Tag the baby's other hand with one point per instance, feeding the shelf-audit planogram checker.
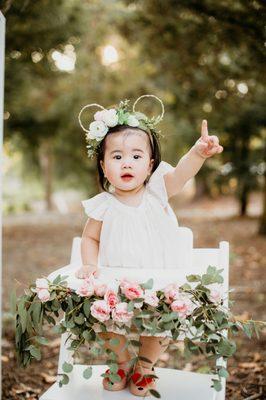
(86, 272)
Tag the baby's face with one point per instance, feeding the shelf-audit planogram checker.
(127, 160)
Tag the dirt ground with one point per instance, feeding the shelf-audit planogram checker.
(37, 245)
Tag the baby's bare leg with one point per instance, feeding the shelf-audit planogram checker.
(151, 348)
(120, 350)
(123, 357)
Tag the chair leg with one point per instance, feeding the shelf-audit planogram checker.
(65, 355)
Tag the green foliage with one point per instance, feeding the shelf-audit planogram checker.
(64, 380)
(67, 368)
(87, 373)
(205, 325)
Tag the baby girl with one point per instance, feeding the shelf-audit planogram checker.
(131, 223)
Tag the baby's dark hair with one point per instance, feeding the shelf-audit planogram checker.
(154, 145)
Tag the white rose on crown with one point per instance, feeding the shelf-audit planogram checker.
(132, 121)
(97, 131)
(109, 117)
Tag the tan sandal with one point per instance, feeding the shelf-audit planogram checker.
(123, 372)
(140, 384)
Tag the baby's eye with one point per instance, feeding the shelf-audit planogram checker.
(117, 158)
(136, 155)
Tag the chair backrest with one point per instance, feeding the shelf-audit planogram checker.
(194, 261)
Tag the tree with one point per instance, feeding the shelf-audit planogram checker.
(208, 74)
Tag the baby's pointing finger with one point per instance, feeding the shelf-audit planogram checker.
(204, 130)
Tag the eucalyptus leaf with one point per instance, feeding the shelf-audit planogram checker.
(64, 380)
(217, 385)
(35, 352)
(223, 373)
(154, 393)
(42, 340)
(67, 368)
(193, 278)
(79, 319)
(148, 284)
(114, 368)
(87, 307)
(87, 335)
(87, 373)
(57, 280)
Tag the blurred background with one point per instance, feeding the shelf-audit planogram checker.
(205, 60)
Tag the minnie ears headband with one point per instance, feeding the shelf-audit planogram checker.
(108, 118)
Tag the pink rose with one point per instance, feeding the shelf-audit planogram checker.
(42, 291)
(171, 292)
(131, 290)
(100, 290)
(86, 289)
(42, 283)
(100, 310)
(43, 295)
(215, 296)
(124, 282)
(111, 298)
(121, 314)
(151, 299)
(182, 306)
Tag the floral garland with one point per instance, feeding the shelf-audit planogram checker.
(121, 115)
(196, 308)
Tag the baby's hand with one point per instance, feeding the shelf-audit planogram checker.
(206, 146)
(86, 271)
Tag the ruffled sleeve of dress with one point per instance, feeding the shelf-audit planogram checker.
(156, 184)
(96, 206)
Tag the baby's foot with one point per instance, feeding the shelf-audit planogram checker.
(123, 371)
(140, 384)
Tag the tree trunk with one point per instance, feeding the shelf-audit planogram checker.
(244, 199)
(46, 164)
(262, 228)
(243, 179)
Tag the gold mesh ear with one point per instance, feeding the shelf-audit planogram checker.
(83, 108)
(158, 118)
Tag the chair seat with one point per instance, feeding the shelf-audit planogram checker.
(172, 385)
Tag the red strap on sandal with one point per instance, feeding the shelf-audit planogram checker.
(143, 382)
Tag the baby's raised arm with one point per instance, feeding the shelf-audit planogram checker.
(188, 166)
(90, 248)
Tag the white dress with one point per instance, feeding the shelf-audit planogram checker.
(137, 237)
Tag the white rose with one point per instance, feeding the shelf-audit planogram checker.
(110, 117)
(97, 130)
(132, 121)
(42, 283)
(98, 116)
(151, 299)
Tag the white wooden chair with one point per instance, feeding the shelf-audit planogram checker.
(172, 383)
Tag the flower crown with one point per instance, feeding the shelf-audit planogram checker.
(108, 118)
